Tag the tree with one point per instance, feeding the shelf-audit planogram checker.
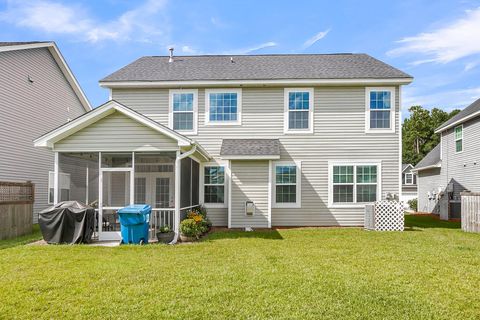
(418, 132)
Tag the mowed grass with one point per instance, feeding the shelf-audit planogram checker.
(430, 271)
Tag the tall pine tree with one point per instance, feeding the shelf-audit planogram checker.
(418, 136)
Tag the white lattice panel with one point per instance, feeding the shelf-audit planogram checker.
(386, 216)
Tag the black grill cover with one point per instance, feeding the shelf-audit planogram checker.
(67, 222)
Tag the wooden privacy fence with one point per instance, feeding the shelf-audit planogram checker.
(16, 208)
(470, 211)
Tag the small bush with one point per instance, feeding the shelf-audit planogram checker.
(190, 228)
(413, 204)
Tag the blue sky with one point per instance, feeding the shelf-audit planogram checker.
(438, 42)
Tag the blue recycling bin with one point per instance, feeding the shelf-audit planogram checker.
(134, 223)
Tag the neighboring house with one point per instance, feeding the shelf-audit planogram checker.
(38, 92)
(452, 166)
(260, 140)
(409, 184)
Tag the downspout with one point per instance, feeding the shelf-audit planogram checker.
(178, 172)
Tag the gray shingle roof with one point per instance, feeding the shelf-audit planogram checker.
(250, 147)
(6, 44)
(404, 166)
(431, 159)
(471, 109)
(256, 67)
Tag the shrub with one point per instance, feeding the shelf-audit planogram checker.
(413, 204)
(190, 228)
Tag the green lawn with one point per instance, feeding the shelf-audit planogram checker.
(430, 271)
(34, 236)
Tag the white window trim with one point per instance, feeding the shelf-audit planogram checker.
(223, 123)
(406, 175)
(225, 184)
(298, 202)
(455, 138)
(311, 111)
(392, 110)
(171, 92)
(354, 163)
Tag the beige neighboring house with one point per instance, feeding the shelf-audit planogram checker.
(260, 140)
(38, 92)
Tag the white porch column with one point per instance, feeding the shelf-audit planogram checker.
(178, 172)
(55, 180)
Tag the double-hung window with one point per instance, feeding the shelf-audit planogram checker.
(354, 183)
(286, 192)
(459, 138)
(214, 184)
(298, 110)
(183, 111)
(380, 114)
(223, 106)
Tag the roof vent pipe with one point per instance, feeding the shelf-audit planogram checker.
(171, 54)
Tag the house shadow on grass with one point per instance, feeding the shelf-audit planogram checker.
(416, 222)
(269, 234)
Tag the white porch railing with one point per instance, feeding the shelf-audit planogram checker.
(159, 218)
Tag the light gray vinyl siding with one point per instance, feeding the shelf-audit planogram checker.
(249, 182)
(339, 134)
(28, 110)
(463, 167)
(428, 182)
(116, 132)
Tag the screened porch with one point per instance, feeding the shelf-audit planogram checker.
(109, 181)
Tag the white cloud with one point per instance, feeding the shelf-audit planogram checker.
(188, 50)
(252, 49)
(447, 100)
(139, 24)
(459, 39)
(310, 42)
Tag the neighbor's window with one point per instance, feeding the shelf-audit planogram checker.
(63, 185)
(380, 109)
(183, 110)
(286, 184)
(354, 183)
(459, 138)
(408, 178)
(299, 110)
(223, 107)
(214, 184)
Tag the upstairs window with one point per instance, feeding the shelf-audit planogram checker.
(299, 110)
(380, 110)
(459, 138)
(223, 107)
(183, 111)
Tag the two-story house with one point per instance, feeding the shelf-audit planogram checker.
(260, 140)
(452, 166)
(38, 92)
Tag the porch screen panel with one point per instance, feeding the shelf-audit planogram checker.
(195, 182)
(116, 189)
(155, 179)
(78, 177)
(186, 183)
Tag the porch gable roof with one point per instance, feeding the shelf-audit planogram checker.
(85, 120)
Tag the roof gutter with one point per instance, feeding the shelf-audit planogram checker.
(256, 82)
(438, 165)
(459, 121)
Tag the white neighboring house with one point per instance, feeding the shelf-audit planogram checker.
(38, 92)
(409, 184)
(260, 140)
